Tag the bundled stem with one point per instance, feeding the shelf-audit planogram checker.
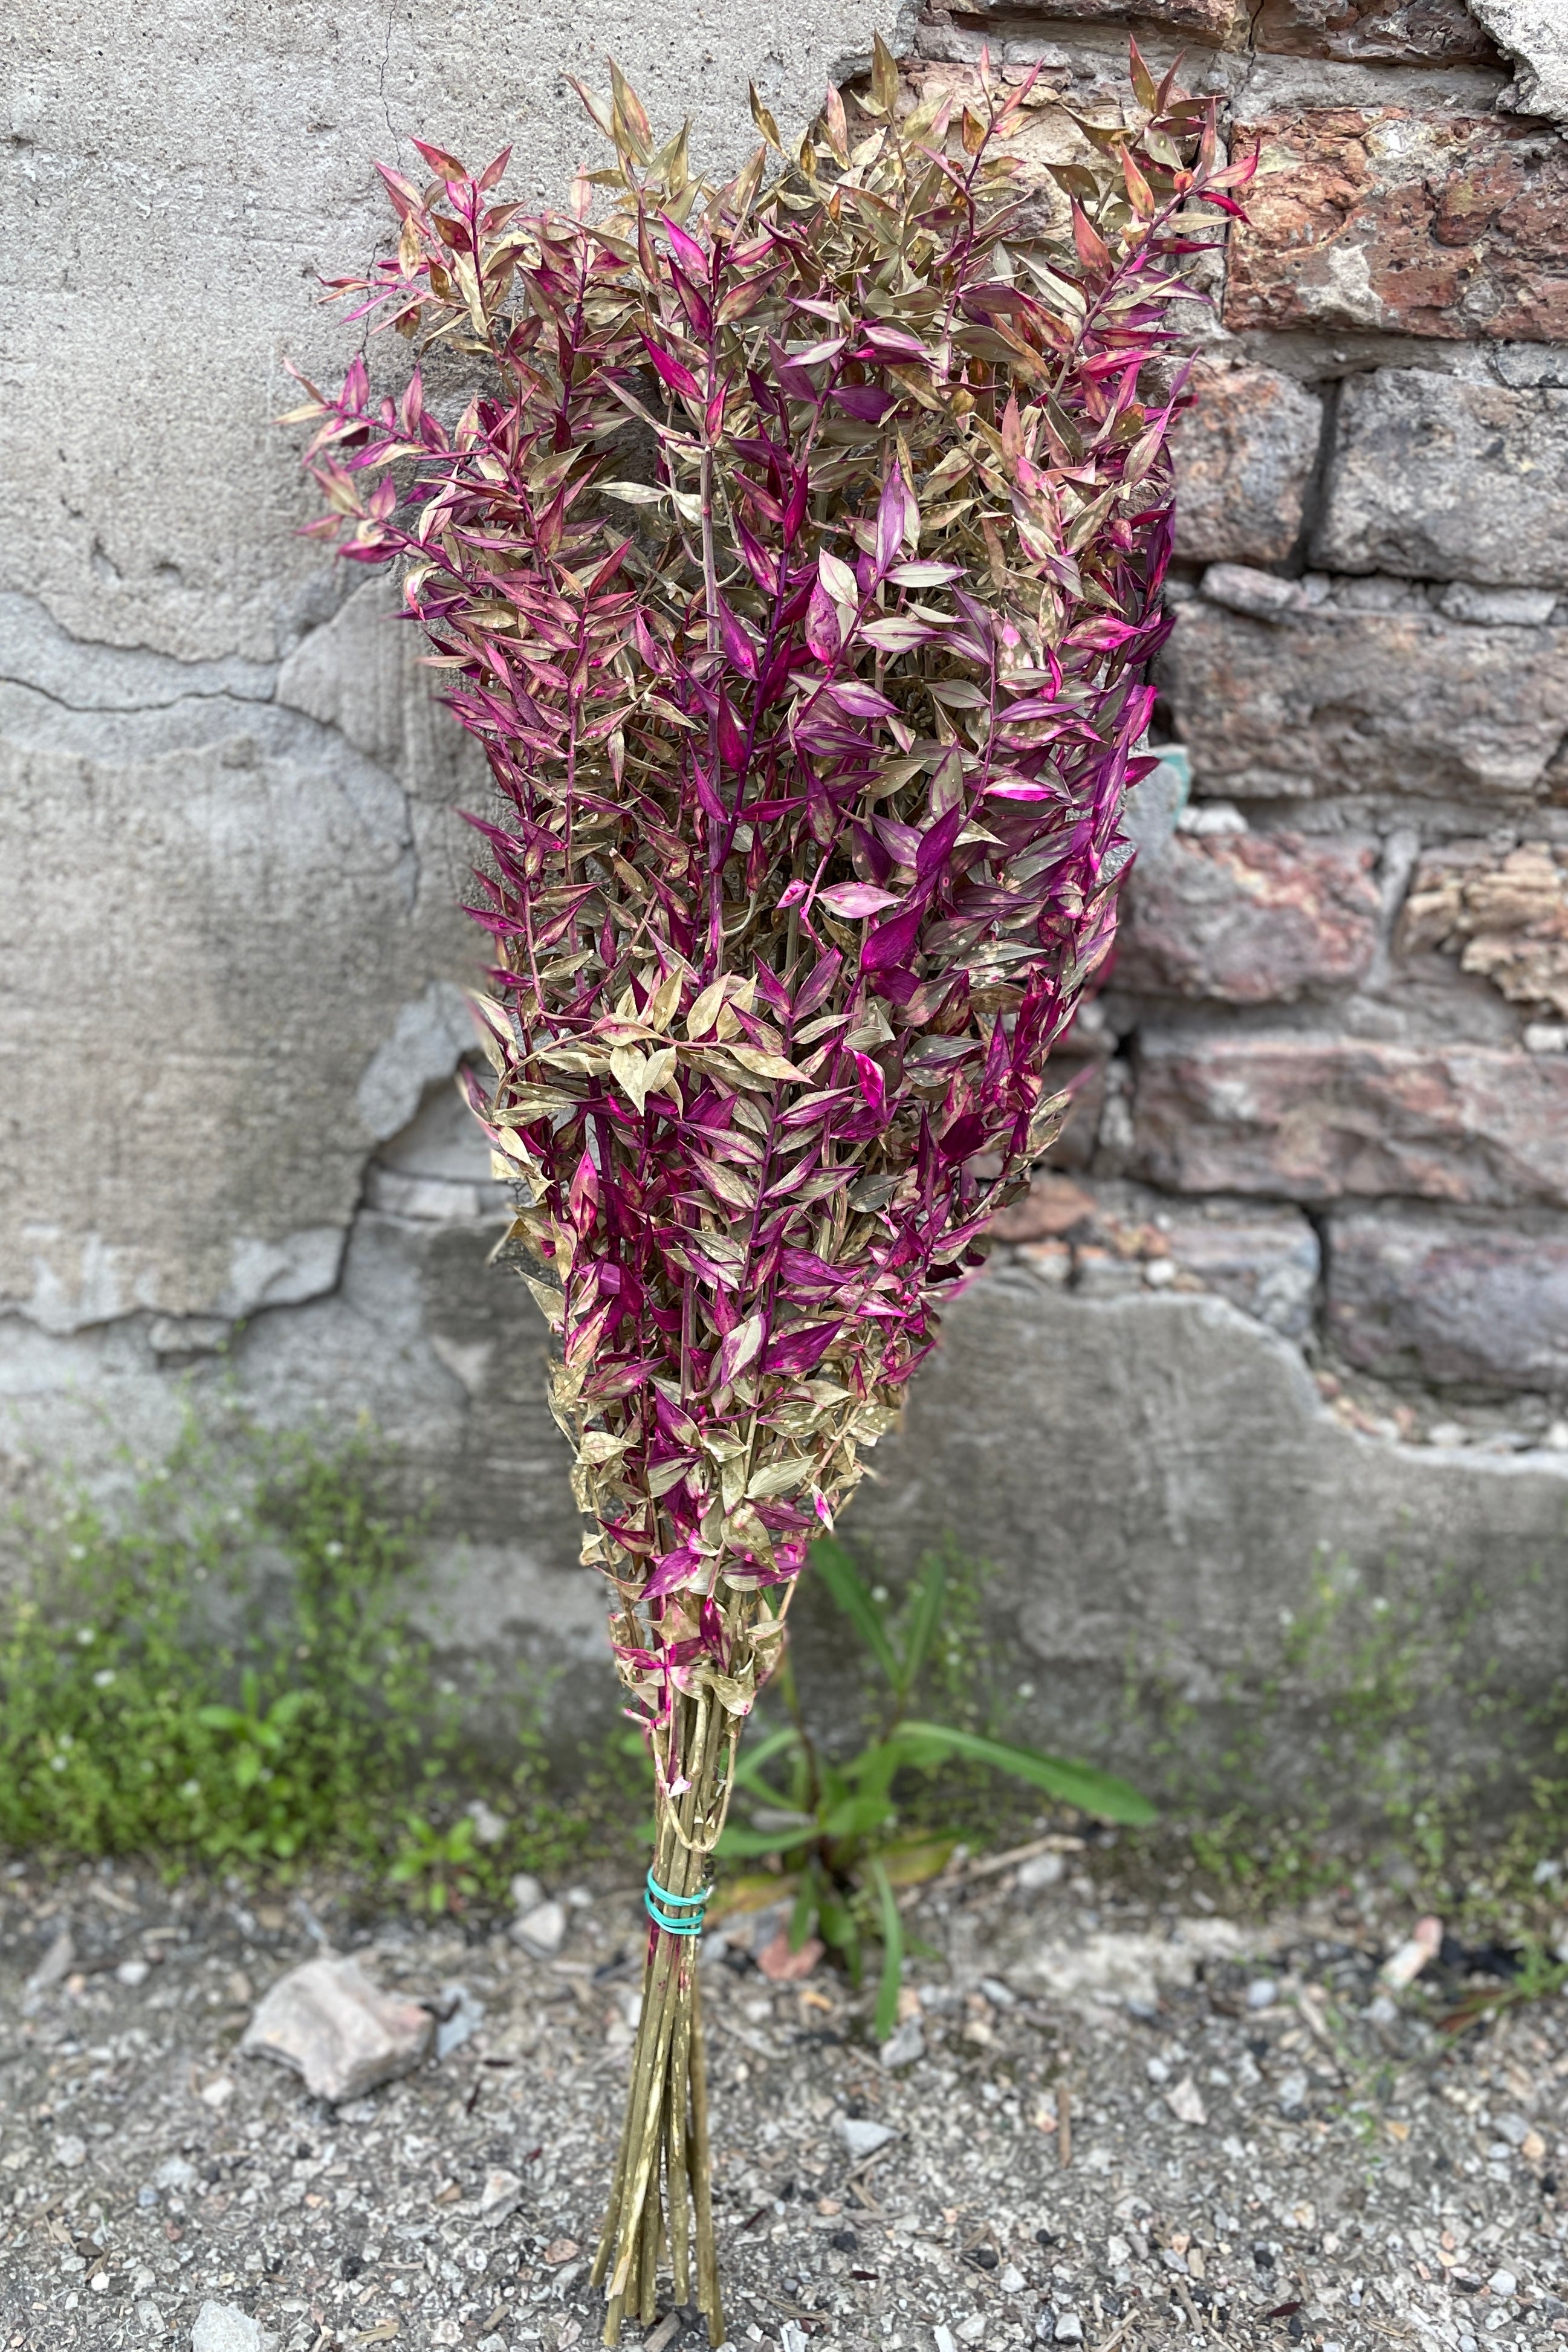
(661, 2186)
(808, 795)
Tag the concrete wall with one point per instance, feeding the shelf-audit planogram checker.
(1300, 1287)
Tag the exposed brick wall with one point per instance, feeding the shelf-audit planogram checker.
(1341, 998)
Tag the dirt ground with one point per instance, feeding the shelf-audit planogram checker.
(1106, 2123)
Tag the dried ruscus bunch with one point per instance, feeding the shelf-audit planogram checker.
(807, 833)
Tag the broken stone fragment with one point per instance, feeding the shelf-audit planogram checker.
(542, 1931)
(337, 2028)
(224, 2328)
(501, 2196)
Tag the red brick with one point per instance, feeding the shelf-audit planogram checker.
(1051, 1207)
(1244, 454)
(1249, 919)
(1445, 1301)
(1332, 701)
(1407, 219)
(1421, 32)
(1304, 1119)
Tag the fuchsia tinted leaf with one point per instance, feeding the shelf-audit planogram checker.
(855, 899)
(868, 401)
(873, 1085)
(824, 630)
(742, 653)
(686, 250)
(861, 700)
(678, 378)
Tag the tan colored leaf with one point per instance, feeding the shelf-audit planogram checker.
(777, 1478)
(551, 1302)
(763, 1065)
(598, 1446)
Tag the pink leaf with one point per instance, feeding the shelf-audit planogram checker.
(741, 1347)
(891, 941)
(686, 250)
(802, 1349)
(891, 519)
(823, 631)
(861, 701)
(737, 643)
(855, 899)
(445, 167)
(680, 379)
(731, 742)
(867, 401)
(873, 1083)
(670, 1571)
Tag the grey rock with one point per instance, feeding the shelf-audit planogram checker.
(1263, 594)
(69, 2151)
(1323, 702)
(1262, 1992)
(340, 2031)
(903, 2048)
(224, 2328)
(490, 1827)
(542, 1931)
(1152, 808)
(1249, 918)
(1317, 1115)
(1207, 1482)
(176, 2172)
(1042, 1870)
(1265, 1260)
(1244, 454)
(1450, 1301)
(501, 2196)
(56, 1965)
(464, 2016)
(863, 2138)
(526, 1893)
(1498, 608)
(1534, 35)
(1440, 480)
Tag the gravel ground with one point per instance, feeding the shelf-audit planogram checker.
(1108, 2123)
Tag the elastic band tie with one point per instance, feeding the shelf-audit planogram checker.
(658, 1896)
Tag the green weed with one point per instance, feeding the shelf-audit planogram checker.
(225, 1671)
(838, 1826)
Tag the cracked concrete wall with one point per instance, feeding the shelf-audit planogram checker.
(230, 955)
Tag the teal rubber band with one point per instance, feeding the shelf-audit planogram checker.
(658, 1896)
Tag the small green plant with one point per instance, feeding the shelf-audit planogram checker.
(440, 1864)
(834, 1825)
(226, 1671)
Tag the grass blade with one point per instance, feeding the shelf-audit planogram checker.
(1100, 1793)
(929, 1595)
(892, 1928)
(848, 1587)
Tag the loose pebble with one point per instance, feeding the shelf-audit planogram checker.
(337, 2028)
(542, 1930)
